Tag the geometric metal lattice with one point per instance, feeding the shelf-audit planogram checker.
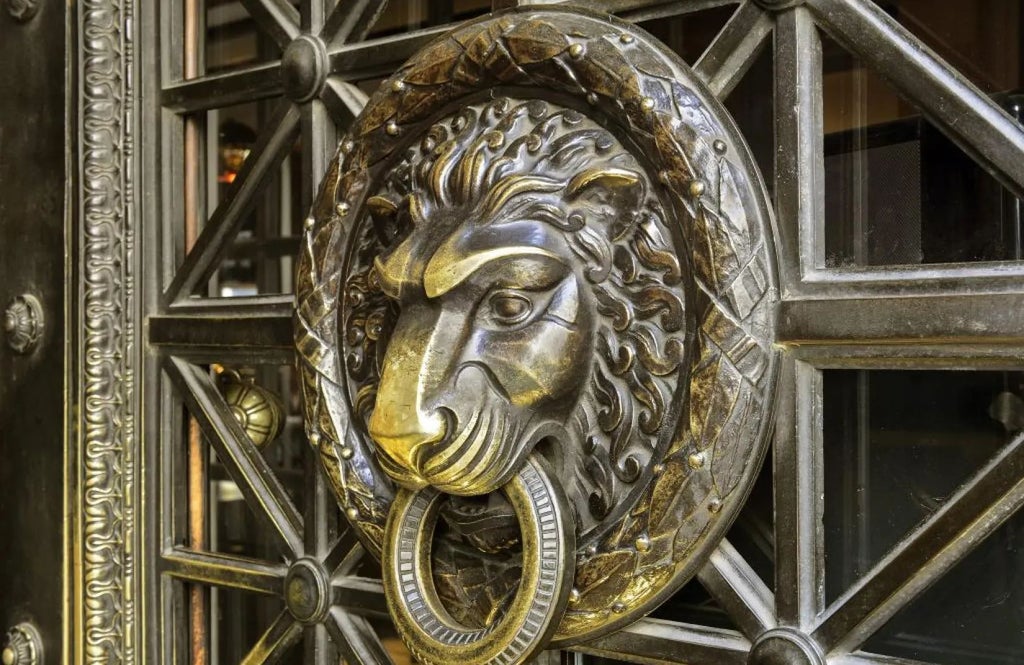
(908, 318)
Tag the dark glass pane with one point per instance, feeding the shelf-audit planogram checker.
(981, 38)
(238, 619)
(973, 615)
(897, 445)
(689, 34)
(751, 104)
(897, 190)
(232, 40)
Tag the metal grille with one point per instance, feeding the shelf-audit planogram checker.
(830, 317)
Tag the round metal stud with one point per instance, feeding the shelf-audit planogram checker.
(256, 409)
(22, 11)
(696, 461)
(576, 51)
(697, 188)
(23, 324)
(784, 646)
(24, 646)
(392, 128)
(307, 591)
(304, 68)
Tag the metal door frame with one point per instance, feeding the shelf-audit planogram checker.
(966, 316)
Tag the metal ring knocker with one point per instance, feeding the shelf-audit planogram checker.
(548, 537)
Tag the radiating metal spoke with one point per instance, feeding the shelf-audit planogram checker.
(278, 18)
(654, 640)
(734, 49)
(360, 595)
(344, 554)
(733, 583)
(225, 570)
(967, 115)
(220, 90)
(275, 642)
(355, 639)
(255, 479)
(945, 538)
(344, 100)
(275, 141)
(351, 20)
(799, 503)
(378, 57)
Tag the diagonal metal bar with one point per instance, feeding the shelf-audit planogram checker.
(225, 570)
(343, 99)
(258, 483)
(351, 20)
(275, 642)
(277, 18)
(799, 149)
(355, 639)
(963, 112)
(798, 482)
(362, 596)
(378, 57)
(276, 140)
(658, 641)
(734, 49)
(945, 538)
(344, 554)
(733, 583)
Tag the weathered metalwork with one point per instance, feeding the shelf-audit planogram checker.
(22, 11)
(23, 323)
(23, 647)
(514, 276)
(257, 410)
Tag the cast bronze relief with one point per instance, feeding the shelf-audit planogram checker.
(534, 322)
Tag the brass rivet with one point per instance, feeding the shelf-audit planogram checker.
(626, 39)
(643, 544)
(665, 178)
(576, 51)
(696, 460)
(342, 209)
(592, 98)
(647, 104)
(658, 469)
(314, 438)
(618, 607)
(347, 146)
(715, 505)
(352, 513)
(720, 146)
(591, 550)
(574, 596)
(310, 222)
(9, 656)
(345, 452)
(398, 86)
(391, 128)
(696, 188)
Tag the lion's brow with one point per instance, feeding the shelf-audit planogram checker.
(445, 272)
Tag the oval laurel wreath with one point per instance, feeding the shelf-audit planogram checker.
(701, 483)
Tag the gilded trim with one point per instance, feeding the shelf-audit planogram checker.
(105, 419)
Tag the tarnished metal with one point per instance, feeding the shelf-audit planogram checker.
(512, 278)
(23, 646)
(23, 323)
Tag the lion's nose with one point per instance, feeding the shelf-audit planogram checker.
(403, 433)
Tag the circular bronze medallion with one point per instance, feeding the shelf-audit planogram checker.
(542, 239)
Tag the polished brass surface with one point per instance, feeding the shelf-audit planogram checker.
(559, 249)
(23, 323)
(257, 410)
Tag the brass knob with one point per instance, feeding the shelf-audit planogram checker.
(23, 323)
(24, 646)
(257, 410)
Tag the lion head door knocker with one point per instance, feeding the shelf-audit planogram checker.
(534, 322)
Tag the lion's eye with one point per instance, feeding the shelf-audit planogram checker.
(510, 307)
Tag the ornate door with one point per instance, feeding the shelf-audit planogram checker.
(462, 331)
